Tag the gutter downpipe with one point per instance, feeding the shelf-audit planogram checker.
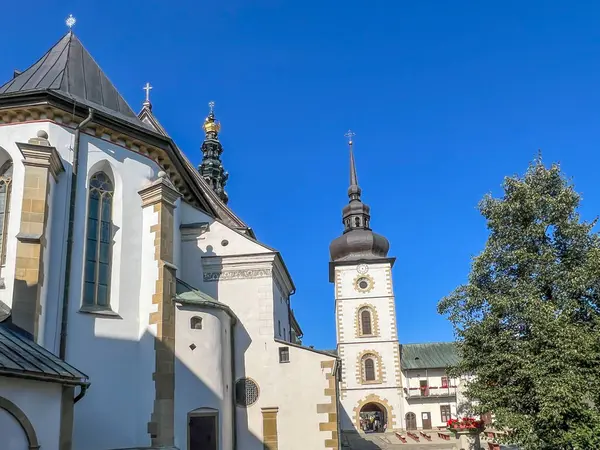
(84, 388)
(233, 403)
(65, 305)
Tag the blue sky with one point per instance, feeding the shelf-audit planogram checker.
(446, 98)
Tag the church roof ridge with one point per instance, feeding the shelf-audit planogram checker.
(68, 68)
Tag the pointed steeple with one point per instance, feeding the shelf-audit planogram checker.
(211, 167)
(355, 213)
(358, 241)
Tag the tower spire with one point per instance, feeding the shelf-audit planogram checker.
(211, 167)
(354, 190)
(358, 241)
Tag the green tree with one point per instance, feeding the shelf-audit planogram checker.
(527, 322)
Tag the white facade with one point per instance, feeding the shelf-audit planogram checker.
(394, 390)
(40, 403)
(116, 348)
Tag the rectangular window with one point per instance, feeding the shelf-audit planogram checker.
(424, 388)
(284, 354)
(444, 382)
(284, 335)
(445, 413)
(279, 327)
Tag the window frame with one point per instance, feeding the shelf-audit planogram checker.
(369, 321)
(366, 369)
(283, 351)
(196, 320)
(445, 411)
(100, 194)
(6, 179)
(445, 382)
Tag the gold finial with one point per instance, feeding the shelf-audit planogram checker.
(210, 124)
(350, 134)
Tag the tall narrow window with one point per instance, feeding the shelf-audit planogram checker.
(365, 320)
(444, 382)
(5, 188)
(445, 413)
(369, 370)
(99, 242)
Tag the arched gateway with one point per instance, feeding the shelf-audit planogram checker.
(373, 418)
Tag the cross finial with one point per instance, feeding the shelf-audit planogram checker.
(147, 88)
(350, 134)
(211, 105)
(70, 21)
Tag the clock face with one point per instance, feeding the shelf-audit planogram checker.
(362, 269)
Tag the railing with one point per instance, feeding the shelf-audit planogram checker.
(430, 391)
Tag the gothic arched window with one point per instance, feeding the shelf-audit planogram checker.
(5, 190)
(98, 252)
(369, 369)
(365, 322)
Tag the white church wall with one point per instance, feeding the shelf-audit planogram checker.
(203, 374)
(56, 240)
(296, 388)
(211, 242)
(114, 351)
(41, 403)
(10, 135)
(281, 316)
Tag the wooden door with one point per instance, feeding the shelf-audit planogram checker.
(426, 420)
(203, 433)
(411, 421)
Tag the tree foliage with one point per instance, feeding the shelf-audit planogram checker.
(528, 320)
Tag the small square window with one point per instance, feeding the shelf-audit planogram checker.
(284, 354)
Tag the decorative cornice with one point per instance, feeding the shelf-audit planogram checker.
(160, 191)
(254, 261)
(243, 274)
(38, 153)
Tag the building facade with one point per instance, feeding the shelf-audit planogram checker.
(124, 260)
(405, 387)
(122, 265)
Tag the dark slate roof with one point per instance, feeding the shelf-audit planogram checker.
(21, 357)
(428, 356)
(68, 68)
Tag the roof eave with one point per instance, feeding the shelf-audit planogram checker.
(67, 381)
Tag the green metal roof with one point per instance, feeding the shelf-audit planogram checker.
(428, 356)
(189, 295)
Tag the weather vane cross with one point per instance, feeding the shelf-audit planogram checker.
(350, 134)
(70, 21)
(211, 105)
(147, 88)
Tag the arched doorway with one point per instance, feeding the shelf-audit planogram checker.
(373, 418)
(411, 421)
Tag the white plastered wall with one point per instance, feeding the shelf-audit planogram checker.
(384, 344)
(41, 403)
(203, 372)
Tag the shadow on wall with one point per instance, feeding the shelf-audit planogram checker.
(124, 398)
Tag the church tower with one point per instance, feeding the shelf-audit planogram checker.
(367, 339)
(211, 167)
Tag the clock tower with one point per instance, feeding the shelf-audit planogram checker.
(367, 338)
